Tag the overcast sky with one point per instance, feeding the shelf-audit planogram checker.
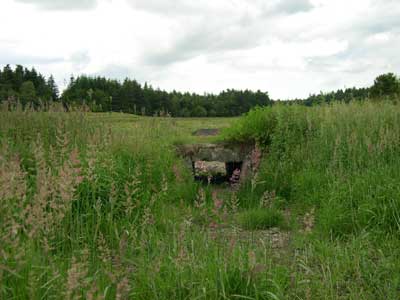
(290, 48)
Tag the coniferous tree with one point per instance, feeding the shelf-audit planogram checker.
(53, 88)
(28, 93)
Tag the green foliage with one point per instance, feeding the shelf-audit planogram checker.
(361, 266)
(185, 113)
(55, 94)
(257, 125)
(199, 111)
(28, 92)
(340, 158)
(261, 125)
(26, 85)
(99, 206)
(212, 113)
(101, 94)
(131, 97)
(386, 85)
(261, 218)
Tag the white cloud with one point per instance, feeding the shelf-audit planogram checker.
(62, 4)
(288, 47)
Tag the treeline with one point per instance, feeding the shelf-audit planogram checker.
(26, 86)
(385, 85)
(101, 94)
(346, 95)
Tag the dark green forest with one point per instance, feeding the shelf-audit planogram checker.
(101, 94)
(129, 96)
(26, 86)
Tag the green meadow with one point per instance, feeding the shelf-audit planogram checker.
(100, 206)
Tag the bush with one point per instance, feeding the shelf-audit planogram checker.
(256, 219)
(257, 125)
(262, 125)
(385, 85)
(185, 113)
(199, 111)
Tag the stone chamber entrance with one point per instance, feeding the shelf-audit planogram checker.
(217, 163)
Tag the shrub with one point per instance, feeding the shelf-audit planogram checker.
(185, 113)
(385, 85)
(199, 111)
(263, 125)
(257, 125)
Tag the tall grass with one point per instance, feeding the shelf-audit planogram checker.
(69, 185)
(102, 210)
(341, 162)
(343, 159)
(90, 211)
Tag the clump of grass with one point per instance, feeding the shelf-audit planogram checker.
(258, 219)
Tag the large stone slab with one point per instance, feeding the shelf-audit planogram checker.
(209, 168)
(207, 132)
(215, 152)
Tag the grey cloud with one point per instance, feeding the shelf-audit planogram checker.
(201, 42)
(209, 37)
(178, 7)
(384, 19)
(358, 65)
(214, 31)
(62, 4)
(175, 7)
(388, 23)
(115, 72)
(363, 56)
(206, 29)
(291, 7)
(134, 71)
(80, 59)
(368, 53)
(14, 58)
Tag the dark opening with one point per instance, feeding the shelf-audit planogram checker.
(213, 180)
(232, 166)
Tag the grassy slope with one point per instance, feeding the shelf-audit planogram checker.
(98, 206)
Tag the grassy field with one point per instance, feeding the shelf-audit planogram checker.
(99, 206)
(180, 129)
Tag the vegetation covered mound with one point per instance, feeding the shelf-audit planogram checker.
(343, 159)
